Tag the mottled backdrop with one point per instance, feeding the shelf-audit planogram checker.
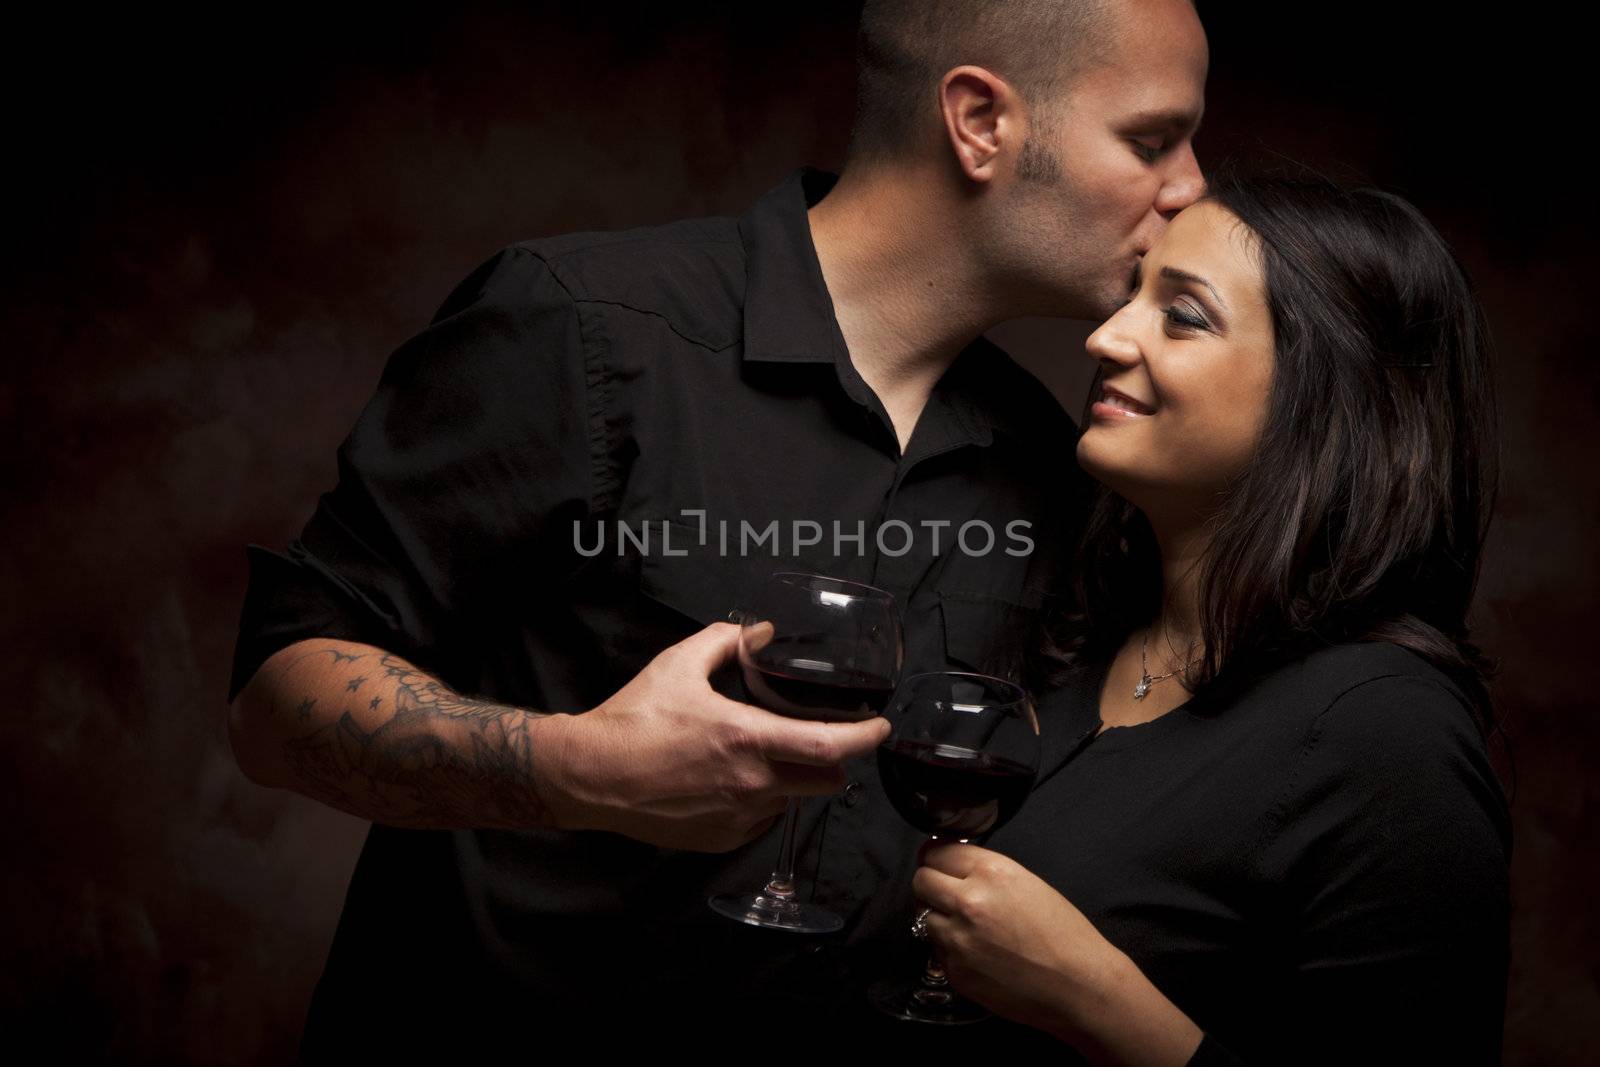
(219, 227)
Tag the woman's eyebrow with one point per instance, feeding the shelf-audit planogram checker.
(1177, 275)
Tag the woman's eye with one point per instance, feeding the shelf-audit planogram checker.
(1180, 317)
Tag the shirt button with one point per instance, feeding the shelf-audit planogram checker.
(854, 794)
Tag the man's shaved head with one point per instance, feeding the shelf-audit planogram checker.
(1057, 155)
(906, 46)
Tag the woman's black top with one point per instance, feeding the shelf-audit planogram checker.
(1313, 869)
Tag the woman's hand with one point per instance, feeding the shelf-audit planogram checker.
(1013, 944)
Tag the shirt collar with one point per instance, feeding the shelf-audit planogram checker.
(788, 315)
(966, 385)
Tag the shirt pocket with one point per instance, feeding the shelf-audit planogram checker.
(697, 581)
(988, 634)
(681, 594)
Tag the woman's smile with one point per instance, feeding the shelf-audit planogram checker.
(1193, 344)
(1117, 405)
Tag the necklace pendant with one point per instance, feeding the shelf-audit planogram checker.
(1142, 688)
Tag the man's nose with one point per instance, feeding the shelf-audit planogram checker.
(1185, 185)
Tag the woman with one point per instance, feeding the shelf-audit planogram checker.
(1273, 832)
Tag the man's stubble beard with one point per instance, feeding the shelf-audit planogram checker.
(1041, 168)
(1038, 164)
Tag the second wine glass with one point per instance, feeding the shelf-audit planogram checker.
(959, 763)
(811, 647)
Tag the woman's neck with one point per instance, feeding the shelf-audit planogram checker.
(1174, 633)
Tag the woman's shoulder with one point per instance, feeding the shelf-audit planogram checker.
(1380, 721)
(1388, 750)
(1344, 698)
(1362, 712)
(1345, 680)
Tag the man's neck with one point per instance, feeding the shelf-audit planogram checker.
(906, 300)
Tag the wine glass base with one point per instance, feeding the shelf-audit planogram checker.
(776, 913)
(912, 1002)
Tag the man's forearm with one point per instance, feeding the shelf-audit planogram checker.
(366, 732)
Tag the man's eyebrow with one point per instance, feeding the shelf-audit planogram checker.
(1178, 275)
(1165, 118)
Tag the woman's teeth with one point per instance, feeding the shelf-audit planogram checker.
(1122, 403)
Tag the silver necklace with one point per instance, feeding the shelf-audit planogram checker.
(1145, 681)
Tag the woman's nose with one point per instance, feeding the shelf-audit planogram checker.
(1111, 342)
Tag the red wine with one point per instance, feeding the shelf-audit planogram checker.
(951, 791)
(805, 688)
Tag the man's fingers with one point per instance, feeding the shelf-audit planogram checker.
(718, 643)
(709, 649)
(797, 780)
(820, 744)
(761, 828)
(758, 636)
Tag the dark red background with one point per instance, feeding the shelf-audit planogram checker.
(218, 231)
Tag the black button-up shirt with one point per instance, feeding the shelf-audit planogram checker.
(595, 448)
(1313, 868)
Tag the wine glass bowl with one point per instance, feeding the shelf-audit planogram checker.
(962, 754)
(820, 648)
(959, 762)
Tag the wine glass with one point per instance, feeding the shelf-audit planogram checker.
(811, 647)
(959, 762)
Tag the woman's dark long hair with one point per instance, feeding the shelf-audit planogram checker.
(1363, 512)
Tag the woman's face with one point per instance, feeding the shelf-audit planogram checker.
(1186, 369)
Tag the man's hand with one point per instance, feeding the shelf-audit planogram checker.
(669, 761)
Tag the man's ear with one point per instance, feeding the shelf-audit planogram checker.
(981, 116)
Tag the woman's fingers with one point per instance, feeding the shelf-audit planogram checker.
(937, 890)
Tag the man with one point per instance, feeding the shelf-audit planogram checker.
(601, 442)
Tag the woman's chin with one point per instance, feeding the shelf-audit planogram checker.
(1105, 463)
(1125, 475)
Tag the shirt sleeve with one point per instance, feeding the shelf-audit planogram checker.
(453, 483)
(1390, 852)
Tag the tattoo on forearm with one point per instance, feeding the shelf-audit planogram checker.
(477, 772)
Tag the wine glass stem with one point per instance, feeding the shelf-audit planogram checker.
(781, 884)
(935, 983)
